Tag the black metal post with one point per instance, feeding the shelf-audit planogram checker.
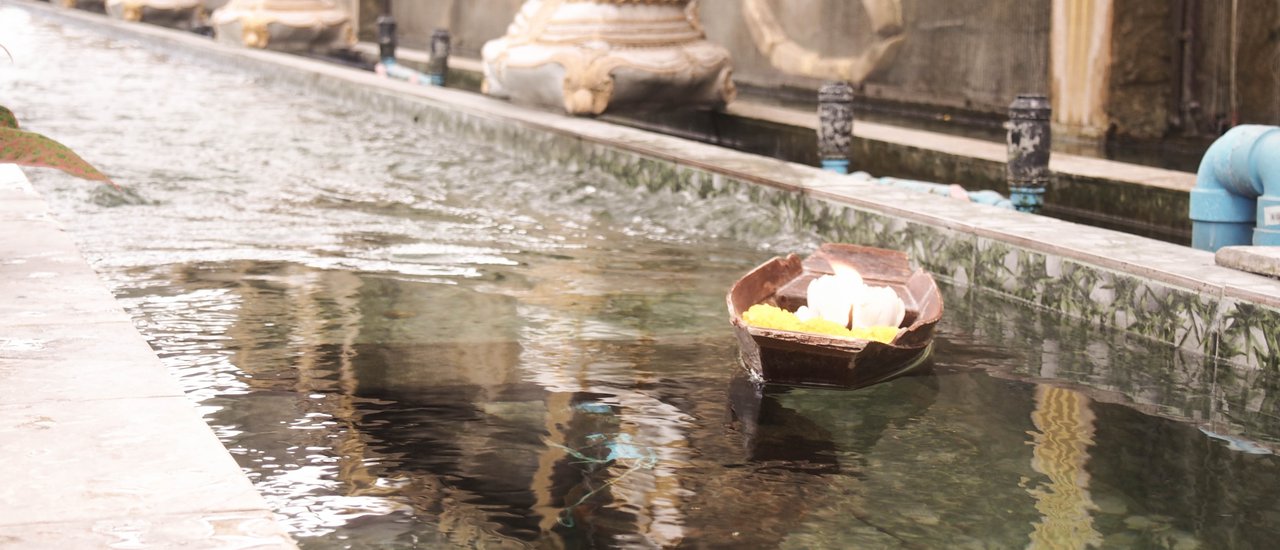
(386, 33)
(835, 125)
(1029, 144)
(438, 63)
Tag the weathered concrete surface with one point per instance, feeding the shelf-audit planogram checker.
(1263, 260)
(101, 445)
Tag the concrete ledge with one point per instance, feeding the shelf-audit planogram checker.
(1263, 260)
(1071, 165)
(102, 446)
(1162, 291)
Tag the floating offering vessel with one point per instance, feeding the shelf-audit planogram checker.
(808, 352)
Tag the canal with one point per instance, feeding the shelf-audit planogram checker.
(409, 340)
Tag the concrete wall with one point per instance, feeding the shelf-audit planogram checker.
(471, 22)
(958, 53)
(939, 57)
(1256, 83)
(1162, 84)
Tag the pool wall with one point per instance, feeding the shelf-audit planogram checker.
(1169, 293)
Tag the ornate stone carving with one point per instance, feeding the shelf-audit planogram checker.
(835, 125)
(787, 55)
(286, 25)
(587, 56)
(169, 13)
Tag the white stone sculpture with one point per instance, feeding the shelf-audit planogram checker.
(586, 56)
(285, 25)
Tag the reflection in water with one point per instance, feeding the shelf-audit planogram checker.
(1065, 434)
(411, 342)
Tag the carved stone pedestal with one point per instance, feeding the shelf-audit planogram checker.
(179, 14)
(88, 5)
(285, 25)
(588, 56)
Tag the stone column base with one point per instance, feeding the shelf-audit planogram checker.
(87, 5)
(284, 25)
(179, 14)
(587, 57)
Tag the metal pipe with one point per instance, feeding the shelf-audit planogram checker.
(1233, 100)
(386, 34)
(1237, 190)
(835, 125)
(1187, 104)
(1029, 142)
(438, 63)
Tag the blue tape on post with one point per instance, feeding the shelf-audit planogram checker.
(1027, 199)
(837, 166)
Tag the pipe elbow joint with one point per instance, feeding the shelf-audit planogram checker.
(1240, 167)
(1264, 163)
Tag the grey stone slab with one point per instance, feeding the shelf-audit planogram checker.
(241, 530)
(45, 297)
(114, 458)
(1263, 260)
(1257, 292)
(21, 206)
(918, 207)
(25, 238)
(43, 278)
(41, 363)
(18, 200)
(12, 179)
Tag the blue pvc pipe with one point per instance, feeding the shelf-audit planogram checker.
(392, 69)
(990, 198)
(1236, 199)
(987, 197)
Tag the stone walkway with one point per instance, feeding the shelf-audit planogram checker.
(101, 448)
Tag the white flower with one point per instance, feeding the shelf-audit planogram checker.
(831, 297)
(845, 300)
(877, 306)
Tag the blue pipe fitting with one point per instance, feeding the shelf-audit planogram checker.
(839, 166)
(1236, 199)
(1266, 165)
(1027, 199)
(1219, 218)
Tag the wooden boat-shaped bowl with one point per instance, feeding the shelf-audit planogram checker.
(801, 358)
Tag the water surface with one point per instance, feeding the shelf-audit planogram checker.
(407, 340)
